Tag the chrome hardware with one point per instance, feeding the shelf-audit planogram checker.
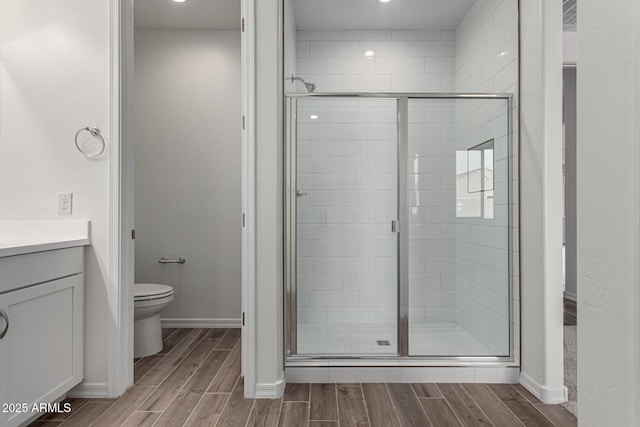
(395, 226)
(301, 193)
(165, 260)
(3, 314)
(95, 132)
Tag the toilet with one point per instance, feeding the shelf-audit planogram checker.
(149, 300)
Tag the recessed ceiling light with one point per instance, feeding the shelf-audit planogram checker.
(179, 1)
(369, 54)
(384, 1)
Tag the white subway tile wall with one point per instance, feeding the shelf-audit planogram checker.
(487, 61)
(420, 61)
(346, 172)
(431, 204)
(347, 165)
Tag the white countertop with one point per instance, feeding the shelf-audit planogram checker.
(22, 237)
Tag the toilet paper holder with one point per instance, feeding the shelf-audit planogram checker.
(165, 260)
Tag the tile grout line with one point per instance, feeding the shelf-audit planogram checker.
(174, 347)
(61, 421)
(335, 388)
(172, 371)
(476, 403)
(253, 406)
(535, 405)
(395, 410)
(193, 410)
(207, 387)
(526, 400)
(224, 407)
(424, 410)
(221, 365)
(499, 402)
(188, 379)
(152, 367)
(280, 411)
(453, 411)
(65, 421)
(126, 419)
(309, 407)
(364, 401)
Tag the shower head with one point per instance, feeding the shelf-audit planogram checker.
(310, 86)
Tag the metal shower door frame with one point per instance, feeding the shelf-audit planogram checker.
(290, 221)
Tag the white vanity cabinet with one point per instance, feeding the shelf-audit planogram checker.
(41, 324)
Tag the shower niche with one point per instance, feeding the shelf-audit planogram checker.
(401, 181)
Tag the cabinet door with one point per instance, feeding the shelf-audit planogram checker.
(39, 360)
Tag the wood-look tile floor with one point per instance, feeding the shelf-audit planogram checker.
(195, 381)
(570, 313)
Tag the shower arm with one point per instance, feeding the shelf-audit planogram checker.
(310, 86)
(294, 78)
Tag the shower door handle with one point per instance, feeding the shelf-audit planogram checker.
(395, 226)
(301, 193)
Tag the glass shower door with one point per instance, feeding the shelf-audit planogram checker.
(344, 197)
(458, 236)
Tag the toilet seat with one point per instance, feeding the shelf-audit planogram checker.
(151, 291)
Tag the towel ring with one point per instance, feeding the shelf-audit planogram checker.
(95, 132)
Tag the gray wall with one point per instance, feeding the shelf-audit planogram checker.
(188, 169)
(570, 229)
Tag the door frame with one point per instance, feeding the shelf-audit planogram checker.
(289, 226)
(120, 319)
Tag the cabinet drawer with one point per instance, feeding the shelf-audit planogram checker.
(29, 269)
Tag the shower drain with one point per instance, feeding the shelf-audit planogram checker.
(383, 342)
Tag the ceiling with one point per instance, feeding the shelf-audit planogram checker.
(190, 15)
(373, 15)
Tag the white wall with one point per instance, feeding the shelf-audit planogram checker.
(269, 202)
(187, 171)
(404, 60)
(608, 209)
(431, 205)
(55, 72)
(541, 199)
(487, 61)
(289, 45)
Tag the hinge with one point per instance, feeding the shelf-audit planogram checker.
(395, 226)
(243, 220)
(243, 318)
(242, 122)
(133, 234)
(243, 25)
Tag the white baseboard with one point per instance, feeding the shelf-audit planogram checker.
(271, 390)
(201, 323)
(544, 394)
(89, 391)
(571, 296)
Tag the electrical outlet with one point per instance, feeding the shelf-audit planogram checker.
(65, 203)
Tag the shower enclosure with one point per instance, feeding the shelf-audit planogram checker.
(399, 221)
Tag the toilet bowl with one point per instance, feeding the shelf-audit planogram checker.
(149, 300)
